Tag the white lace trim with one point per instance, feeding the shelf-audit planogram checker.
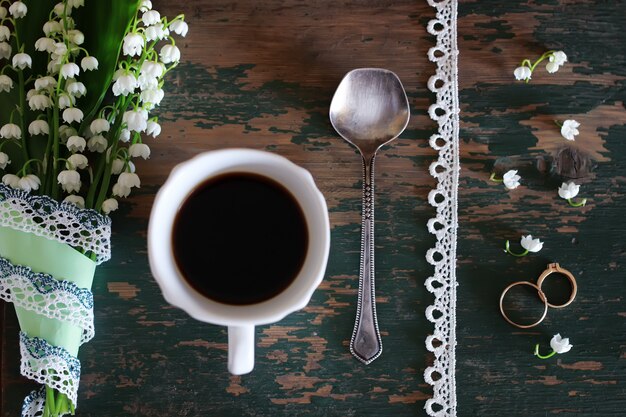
(44, 295)
(50, 365)
(82, 229)
(442, 313)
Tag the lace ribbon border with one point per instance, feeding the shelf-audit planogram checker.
(45, 286)
(444, 226)
(49, 365)
(90, 230)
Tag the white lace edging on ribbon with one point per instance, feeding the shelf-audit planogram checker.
(83, 229)
(44, 295)
(49, 365)
(442, 313)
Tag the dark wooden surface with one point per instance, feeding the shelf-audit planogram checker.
(261, 75)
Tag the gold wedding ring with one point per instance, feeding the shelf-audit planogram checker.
(542, 296)
(551, 269)
(556, 268)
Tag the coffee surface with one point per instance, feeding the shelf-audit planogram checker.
(240, 238)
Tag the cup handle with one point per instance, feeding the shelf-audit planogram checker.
(240, 349)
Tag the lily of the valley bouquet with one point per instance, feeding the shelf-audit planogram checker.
(79, 79)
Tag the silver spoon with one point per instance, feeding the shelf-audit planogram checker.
(369, 109)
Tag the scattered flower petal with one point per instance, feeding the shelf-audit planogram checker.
(569, 130)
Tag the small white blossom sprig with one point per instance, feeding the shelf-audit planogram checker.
(528, 244)
(88, 157)
(555, 60)
(510, 179)
(569, 129)
(569, 190)
(558, 345)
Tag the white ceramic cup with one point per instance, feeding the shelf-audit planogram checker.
(240, 319)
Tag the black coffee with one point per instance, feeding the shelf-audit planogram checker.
(240, 238)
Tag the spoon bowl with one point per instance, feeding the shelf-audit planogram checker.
(369, 109)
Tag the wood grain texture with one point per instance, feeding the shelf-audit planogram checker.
(261, 75)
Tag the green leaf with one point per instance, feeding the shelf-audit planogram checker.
(104, 24)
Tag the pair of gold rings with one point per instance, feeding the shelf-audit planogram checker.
(551, 269)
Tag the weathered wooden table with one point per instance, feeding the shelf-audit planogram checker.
(261, 75)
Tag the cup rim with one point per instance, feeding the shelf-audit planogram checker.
(175, 288)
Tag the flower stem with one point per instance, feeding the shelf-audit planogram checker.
(581, 203)
(540, 356)
(507, 249)
(494, 179)
(559, 124)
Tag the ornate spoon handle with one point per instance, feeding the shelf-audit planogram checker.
(366, 344)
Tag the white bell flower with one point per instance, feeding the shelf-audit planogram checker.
(120, 190)
(5, 50)
(43, 83)
(169, 53)
(75, 199)
(45, 45)
(153, 129)
(22, 60)
(73, 114)
(569, 190)
(117, 166)
(560, 345)
(180, 27)
(66, 101)
(125, 85)
(66, 131)
(89, 63)
(133, 44)
(559, 58)
(75, 3)
(11, 180)
(76, 144)
(54, 66)
(99, 126)
(6, 83)
(511, 179)
(136, 120)
(5, 33)
(150, 17)
(147, 83)
(10, 131)
(29, 182)
(18, 10)
(139, 150)
(109, 205)
(38, 127)
(75, 89)
(39, 102)
(552, 67)
(4, 160)
(3, 12)
(528, 243)
(129, 180)
(152, 97)
(156, 32)
(77, 161)
(70, 70)
(69, 180)
(52, 27)
(522, 73)
(125, 135)
(97, 144)
(60, 50)
(145, 5)
(569, 129)
(152, 69)
(76, 36)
